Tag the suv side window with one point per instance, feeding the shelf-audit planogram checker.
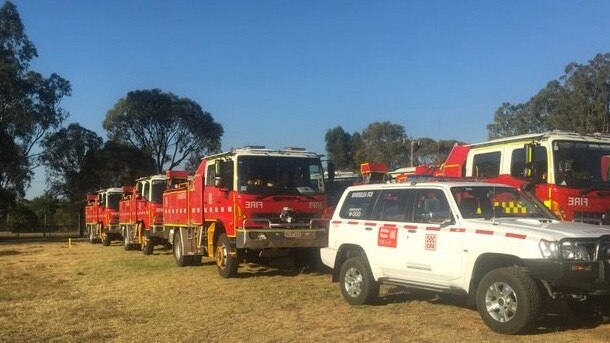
(486, 164)
(430, 206)
(393, 205)
(358, 205)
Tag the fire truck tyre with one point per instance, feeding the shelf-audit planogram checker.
(126, 244)
(196, 260)
(181, 260)
(594, 309)
(307, 260)
(358, 286)
(106, 240)
(508, 300)
(226, 257)
(149, 246)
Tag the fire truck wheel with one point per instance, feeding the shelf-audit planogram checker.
(106, 240)
(149, 246)
(508, 300)
(226, 257)
(181, 260)
(126, 244)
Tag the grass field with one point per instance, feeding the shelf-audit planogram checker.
(91, 293)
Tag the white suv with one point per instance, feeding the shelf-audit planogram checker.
(491, 242)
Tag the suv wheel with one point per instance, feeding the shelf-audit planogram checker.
(357, 283)
(508, 300)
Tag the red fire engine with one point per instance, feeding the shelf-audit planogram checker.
(247, 203)
(102, 216)
(141, 214)
(567, 171)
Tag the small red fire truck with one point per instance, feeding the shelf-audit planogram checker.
(247, 203)
(102, 216)
(141, 214)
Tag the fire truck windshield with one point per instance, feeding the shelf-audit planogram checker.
(112, 201)
(581, 164)
(497, 202)
(158, 186)
(271, 175)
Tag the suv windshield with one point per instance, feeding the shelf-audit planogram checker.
(581, 164)
(497, 202)
(271, 175)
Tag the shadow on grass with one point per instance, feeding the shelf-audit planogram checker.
(556, 315)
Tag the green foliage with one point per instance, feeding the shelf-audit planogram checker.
(21, 218)
(579, 100)
(384, 142)
(78, 162)
(29, 106)
(430, 152)
(339, 148)
(168, 128)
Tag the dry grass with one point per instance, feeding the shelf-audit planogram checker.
(49, 293)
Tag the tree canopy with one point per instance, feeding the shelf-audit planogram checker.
(78, 162)
(168, 128)
(29, 106)
(579, 100)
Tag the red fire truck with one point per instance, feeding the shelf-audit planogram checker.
(102, 216)
(141, 214)
(567, 171)
(248, 203)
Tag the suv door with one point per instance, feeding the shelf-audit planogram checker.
(434, 243)
(386, 238)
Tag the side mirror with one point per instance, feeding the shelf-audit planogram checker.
(331, 170)
(218, 181)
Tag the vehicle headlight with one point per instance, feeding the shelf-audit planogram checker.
(567, 251)
(549, 249)
(574, 252)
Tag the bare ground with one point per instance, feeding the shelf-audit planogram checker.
(50, 293)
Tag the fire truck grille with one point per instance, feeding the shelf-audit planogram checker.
(274, 218)
(588, 217)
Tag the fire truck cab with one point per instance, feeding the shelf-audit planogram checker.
(102, 216)
(569, 172)
(141, 213)
(247, 203)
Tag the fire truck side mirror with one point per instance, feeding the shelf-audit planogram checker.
(331, 170)
(218, 182)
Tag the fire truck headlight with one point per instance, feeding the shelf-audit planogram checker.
(606, 218)
(549, 249)
(258, 236)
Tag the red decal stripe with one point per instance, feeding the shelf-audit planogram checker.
(410, 227)
(352, 223)
(433, 228)
(515, 235)
(455, 229)
(336, 222)
(370, 224)
(389, 225)
(485, 232)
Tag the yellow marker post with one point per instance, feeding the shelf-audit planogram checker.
(69, 243)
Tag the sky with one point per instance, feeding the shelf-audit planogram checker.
(282, 73)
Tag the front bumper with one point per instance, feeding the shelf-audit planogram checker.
(114, 230)
(592, 277)
(280, 237)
